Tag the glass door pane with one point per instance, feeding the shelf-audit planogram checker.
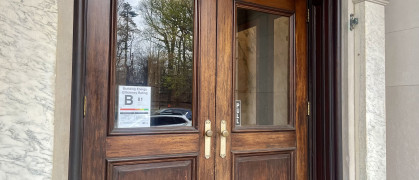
(153, 63)
(262, 69)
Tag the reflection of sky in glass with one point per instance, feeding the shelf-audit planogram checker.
(139, 21)
(135, 6)
(141, 41)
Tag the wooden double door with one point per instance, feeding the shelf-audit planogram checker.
(195, 89)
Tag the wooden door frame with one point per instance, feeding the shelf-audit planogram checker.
(325, 121)
(77, 90)
(324, 147)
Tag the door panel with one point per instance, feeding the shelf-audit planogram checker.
(132, 146)
(261, 166)
(261, 89)
(124, 148)
(224, 84)
(301, 89)
(268, 141)
(157, 169)
(96, 88)
(206, 101)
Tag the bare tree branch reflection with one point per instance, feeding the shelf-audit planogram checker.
(155, 48)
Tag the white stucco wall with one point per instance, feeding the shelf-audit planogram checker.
(402, 89)
(28, 38)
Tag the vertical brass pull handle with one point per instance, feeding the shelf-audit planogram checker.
(208, 134)
(223, 138)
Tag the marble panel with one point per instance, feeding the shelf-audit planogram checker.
(28, 31)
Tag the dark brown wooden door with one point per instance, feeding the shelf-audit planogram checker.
(161, 73)
(150, 86)
(261, 89)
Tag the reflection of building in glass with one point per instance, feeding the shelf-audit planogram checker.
(262, 67)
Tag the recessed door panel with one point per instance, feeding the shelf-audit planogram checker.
(153, 169)
(261, 166)
(269, 141)
(151, 145)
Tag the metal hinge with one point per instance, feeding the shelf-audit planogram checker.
(308, 108)
(308, 15)
(84, 106)
(353, 21)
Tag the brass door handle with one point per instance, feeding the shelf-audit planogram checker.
(223, 138)
(208, 134)
(225, 133)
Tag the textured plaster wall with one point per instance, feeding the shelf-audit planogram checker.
(370, 118)
(28, 38)
(375, 92)
(402, 89)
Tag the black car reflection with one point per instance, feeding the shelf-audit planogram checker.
(169, 120)
(175, 111)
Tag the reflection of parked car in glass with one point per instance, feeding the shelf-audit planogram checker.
(175, 111)
(170, 120)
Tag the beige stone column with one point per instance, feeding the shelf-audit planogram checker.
(369, 85)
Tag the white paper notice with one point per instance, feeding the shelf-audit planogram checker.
(134, 106)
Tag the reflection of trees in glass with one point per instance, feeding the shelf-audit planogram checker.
(161, 53)
(126, 34)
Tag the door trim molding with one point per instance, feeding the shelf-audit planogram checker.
(325, 123)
